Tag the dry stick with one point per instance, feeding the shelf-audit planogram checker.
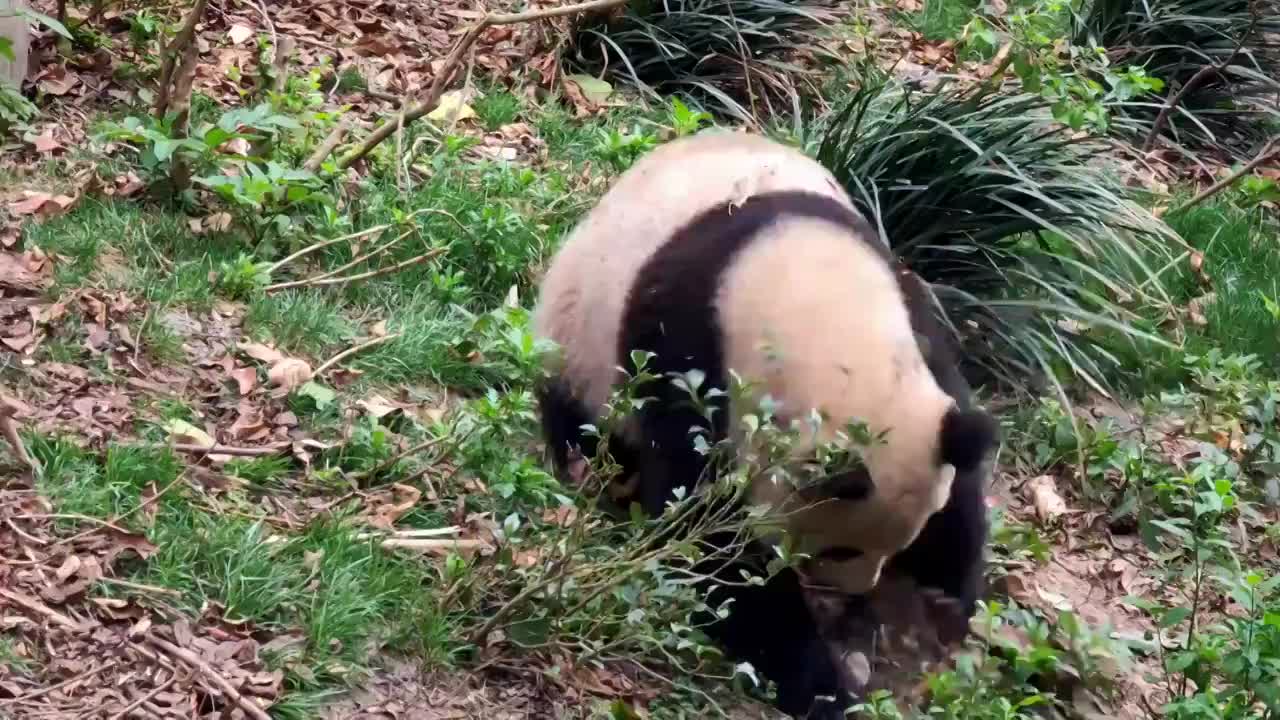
(431, 99)
(359, 259)
(349, 236)
(1196, 81)
(362, 276)
(139, 586)
(331, 141)
(145, 698)
(1272, 148)
(280, 63)
(172, 53)
(352, 351)
(9, 409)
(434, 544)
(229, 450)
(46, 690)
(251, 708)
(38, 607)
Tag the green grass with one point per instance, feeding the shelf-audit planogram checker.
(1241, 268)
(78, 483)
(943, 19)
(352, 602)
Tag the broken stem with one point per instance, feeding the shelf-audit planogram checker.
(173, 651)
(316, 282)
(327, 364)
(326, 148)
(381, 249)
(1270, 149)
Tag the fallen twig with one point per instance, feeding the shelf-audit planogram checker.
(431, 99)
(352, 351)
(1272, 148)
(355, 261)
(34, 694)
(251, 708)
(140, 587)
(412, 533)
(229, 450)
(161, 687)
(350, 236)
(9, 428)
(326, 148)
(36, 606)
(428, 544)
(316, 282)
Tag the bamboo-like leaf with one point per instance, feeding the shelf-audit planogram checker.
(1035, 249)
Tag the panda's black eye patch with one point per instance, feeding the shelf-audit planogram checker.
(839, 554)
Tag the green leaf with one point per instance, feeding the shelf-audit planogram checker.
(1174, 616)
(6, 49)
(593, 89)
(164, 148)
(45, 20)
(321, 395)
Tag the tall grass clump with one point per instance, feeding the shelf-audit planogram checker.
(741, 58)
(1220, 59)
(1037, 253)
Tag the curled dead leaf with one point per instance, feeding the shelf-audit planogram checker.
(1044, 495)
(260, 352)
(246, 379)
(289, 373)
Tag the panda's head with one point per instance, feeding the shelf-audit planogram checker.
(854, 521)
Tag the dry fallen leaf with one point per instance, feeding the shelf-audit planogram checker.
(239, 33)
(289, 373)
(260, 352)
(31, 204)
(246, 378)
(1044, 495)
(44, 142)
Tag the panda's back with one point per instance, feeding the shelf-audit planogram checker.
(585, 292)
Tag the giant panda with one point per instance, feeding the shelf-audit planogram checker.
(729, 252)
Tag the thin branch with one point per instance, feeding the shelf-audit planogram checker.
(1271, 149)
(22, 699)
(353, 236)
(316, 282)
(144, 698)
(431, 99)
(36, 606)
(356, 261)
(173, 53)
(326, 148)
(352, 351)
(1196, 81)
(250, 707)
(430, 544)
(216, 449)
(8, 410)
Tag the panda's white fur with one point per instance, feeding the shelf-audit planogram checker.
(813, 314)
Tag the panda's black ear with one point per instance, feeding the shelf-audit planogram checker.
(966, 437)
